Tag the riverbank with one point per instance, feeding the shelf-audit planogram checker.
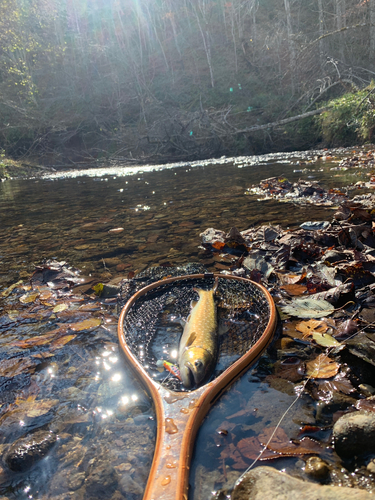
(25, 169)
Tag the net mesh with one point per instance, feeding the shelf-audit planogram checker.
(152, 326)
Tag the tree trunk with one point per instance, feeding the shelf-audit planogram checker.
(292, 50)
(372, 29)
(340, 23)
(321, 32)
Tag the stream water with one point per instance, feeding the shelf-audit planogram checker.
(86, 394)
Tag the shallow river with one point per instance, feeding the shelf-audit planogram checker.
(86, 394)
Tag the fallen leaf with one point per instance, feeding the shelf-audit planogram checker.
(366, 404)
(10, 289)
(325, 340)
(280, 443)
(60, 308)
(313, 325)
(60, 342)
(86, 324)
(231, 452)
(295, 290)
(12, 367)
(308, 308)
(40, 407)
(44, 293)
(292, 369)
(36, 341)
(322, 367)
(13, 314)
(316, 329)
(251, 448)
(29, 297)
(337, 384)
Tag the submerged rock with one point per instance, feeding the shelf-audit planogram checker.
(101, 481)
(265, 482)
(28, 450)
(354, 434)
(317, 468)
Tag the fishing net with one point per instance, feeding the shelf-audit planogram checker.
(152, 326)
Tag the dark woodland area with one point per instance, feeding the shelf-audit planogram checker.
(165, 80)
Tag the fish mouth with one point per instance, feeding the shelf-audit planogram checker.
(190, 382)
(193, 375)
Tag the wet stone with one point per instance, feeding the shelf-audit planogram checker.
(128, 486)
(354, 434)
(26, 451)
(76, 480)
(317, 468)
(101, 481)
(265, 482)
(371, 466)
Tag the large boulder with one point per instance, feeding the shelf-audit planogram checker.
(267, 483)
(354, 434)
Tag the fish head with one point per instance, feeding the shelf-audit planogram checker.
(195, 365)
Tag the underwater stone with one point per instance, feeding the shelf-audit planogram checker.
(102, 480)
(26, 451)
(316, 468)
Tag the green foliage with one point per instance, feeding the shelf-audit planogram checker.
(350, 118)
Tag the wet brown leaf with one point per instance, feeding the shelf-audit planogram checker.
(322, 367)
(280, 443)
(60, 342)
(37, 341)
(231, 452)
(366, 404)
(35, 408)
(60, 308)
(29, 297)
(251, 447)
(15, 366)
(86, 324)
(338, 384)
(292, 369)
(313, 325)
(295, 290)
(316, 329)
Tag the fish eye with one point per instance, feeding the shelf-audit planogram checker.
(197, 363)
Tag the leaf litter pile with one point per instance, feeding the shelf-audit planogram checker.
(322, 278)
(70, 410)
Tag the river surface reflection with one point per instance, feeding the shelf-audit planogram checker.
(109, 223)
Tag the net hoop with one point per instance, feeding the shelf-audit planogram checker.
(169, 404)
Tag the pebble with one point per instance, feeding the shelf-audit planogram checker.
(317, 468)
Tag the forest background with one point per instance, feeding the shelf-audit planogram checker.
(163, 80)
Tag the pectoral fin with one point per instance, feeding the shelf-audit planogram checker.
(190, 340)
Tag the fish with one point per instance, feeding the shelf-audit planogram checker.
(199, 341)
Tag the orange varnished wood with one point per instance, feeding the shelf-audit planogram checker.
(179, 414)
